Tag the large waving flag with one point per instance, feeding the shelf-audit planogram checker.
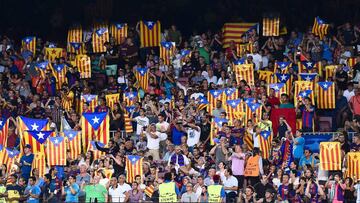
(150, 33)
(130, 98)
(94, 126)
(268, 76)
(234, 109)
(286, 150)
(59, 72)
(265, 140)
(99, 37)
(235, 31)
(325, 95)
(42, 67)
(56, 151)
(29, 43)
(167, 50)
(244, 72)
(119, 31)
(142, 77)
(330, 156)
(253, 110)
(76, 47)
(73, 143)
(133, 166)
(96, 152)
(300, 87)
(4, 129)
(279, 88)
(83, 63)
(91, 99)
(271, 26)
(75, 34)
(213, 96)
(52, 53)
(320, 28)
(243, 49)
(39, 163)
(8, 156)
(330, 71)
(112, 99)
(353, 165)
(28, 128)
(283, 66)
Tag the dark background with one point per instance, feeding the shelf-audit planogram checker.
(51, 18)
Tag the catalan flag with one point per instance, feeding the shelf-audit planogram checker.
(59, 72)
(39, 163)
(230, 94)
(35, 126)
(302, 86)
(83, 63)
(353, 165)
(97, 153)
(320, 28)
(215, 127)
(4, 129)
(265, 140)
(326, 95)
(130, 98)
(283, 66)
(310, 67)
(149, 190)
(128, 120)
(213, 96)
(167, 50)
(75, 34)
(91, 99)
(351, 61)
(99, 37)
(142, 77)
(73, 143)
(133, 166)
(234, 109)
(56, 151)
(248, 140)
(279, 88)
(287, 79)
(119, 31)
(150, 33)
(268, 76)
(185, 53)
(94, 126)
(253, 110)
(244, 72)
(76, 47)
(330, 156)
(42, 67)
(271, 26)
(235, 31)
(330, 72)
(29, 43)
(203, 103)
(243, 49)
(52, 53)
(310, 77)
(8, 156)
(112, 99)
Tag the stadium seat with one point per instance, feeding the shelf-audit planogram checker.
(325, 124)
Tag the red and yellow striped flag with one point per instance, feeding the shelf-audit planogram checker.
(83, 63)
(265, 140)
(330, 156)
(268, 76)
(8, 157)
(76, 47)
(95, 126)
(230, 94)
(301, 86)
(351, 61)
(56, 151)
(235, 31)
(91, 99)
(279, 88)
(242, 49)
(167, 50)
(59, 72)
(213, 96)
(253, 110)
(325, 95)
(149, 190)
(4, 129)
(234, 109)
(310, 67)
(128, 120)
(119, 31)
(271, 26)
(111, 99)
(130, 98)
(75, 34)
(73, 143)
(52, 53)
(29, 43)
(353, 165)
(320, 28)
(39, 163)
(330, 72)
(96, 153)
(133, 166)
(244, 72)
(248, 140)
(283, 66)
(142, 77)
(150, 33)
(99, 37)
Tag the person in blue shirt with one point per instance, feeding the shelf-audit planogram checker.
(33, 192)
(26, 162)
(71, 190)
(308, 159)
(299, 143)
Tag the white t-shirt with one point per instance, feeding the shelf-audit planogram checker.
(265, 60)
(162, 127)
(348, 94)
(230, 182)
(212, 79)
(141, 122)
(118, 194)
(257, 59)
(357, 188)
(153, 143)
(163, 68)
(256, 140)
(193, 136)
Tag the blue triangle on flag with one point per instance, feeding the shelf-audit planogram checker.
(40, 136)
(1, 147)
(283, 65)
(27, 40)
(308, 64)
(220, 121)
(75, 45)
(216, 93)
(131, 95)
(3, 121)
(203, 100)
(283, 77)
(42, 65)
(240, 61)
(304, 93)
(59, 67)
(149, 24)
(253, 106)
(325, 85)
(265, 134)
(71, 134)
(184, 53)
(56, 140)
(233, 103)
(94, 145)
(119, 26)
(95, 119)
(89, 97)
(34, 124)
(167, 45)
(229, 91)
(142, 71)
(12, 153)
(308, 76)
(133, 159)
(101, 31)
(276, 86)
(249, 100)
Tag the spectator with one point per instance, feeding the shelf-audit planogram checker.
(26, 162)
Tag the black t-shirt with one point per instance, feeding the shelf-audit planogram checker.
(342, 84)
(205, 131)
(260, 189)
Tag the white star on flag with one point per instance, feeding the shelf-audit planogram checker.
(253, 107)
(150, 23)
(283, 77)
(56, 141)
(1, 123)
(40, 135)
(133, 159)
(71, 135)
(283, 65)
(11, 152)
(233, 103)
(34, 127)
(307, 78)
(167, 45)
(325, 85)
(304, 94)
(95, 120)
(309, 64)
(142, 72)
(216, 93)
(27, 40)
(276, 87)
(58, 68)
(228, 92)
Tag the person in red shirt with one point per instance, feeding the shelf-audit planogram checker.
(354, 103)
(273, 100)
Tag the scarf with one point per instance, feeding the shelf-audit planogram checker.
(180, 159)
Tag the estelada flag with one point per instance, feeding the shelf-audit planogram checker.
(213, 96)
(133, 167)
(75, 34)
(320, 28)
(42, 67)
(130, 98)
(268, 76)
(230, 94)
(111, 99)
(39, 163)
(91, 100)
(142, 77)
(4, 129)
(271, 26)
(353, 165)
(302, 86)
(235, 31)
(244, 72)
(265, 140)
(29, 43)
(167, 50)
(53, 53)
(56, 151)
(285, 78)
(310, 67)
(330, 156)
(119, 31)
(150, 33)
(243, 49)
(279, 89)
(330, 71)
(96, 152)
(203, 103)
(253, 110)
(325, 95)
(73, 143)
(128, 120)
(8, 156)
(283, 66)
(234, 109)
(76, 47)
(59, 72)
(99, 37)
(83, 63)
(95, 126)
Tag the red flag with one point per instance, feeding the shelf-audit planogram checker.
(288, 114)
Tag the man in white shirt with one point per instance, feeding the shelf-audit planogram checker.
(141, 121)
(119, 192)
(211, 78)
(162, 126)
(153, 141)
(349, 92)
(257, 59)
(230, 184)
(193, 134)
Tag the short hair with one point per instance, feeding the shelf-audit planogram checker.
(48, 176)
(32, 178)
(167, 176)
